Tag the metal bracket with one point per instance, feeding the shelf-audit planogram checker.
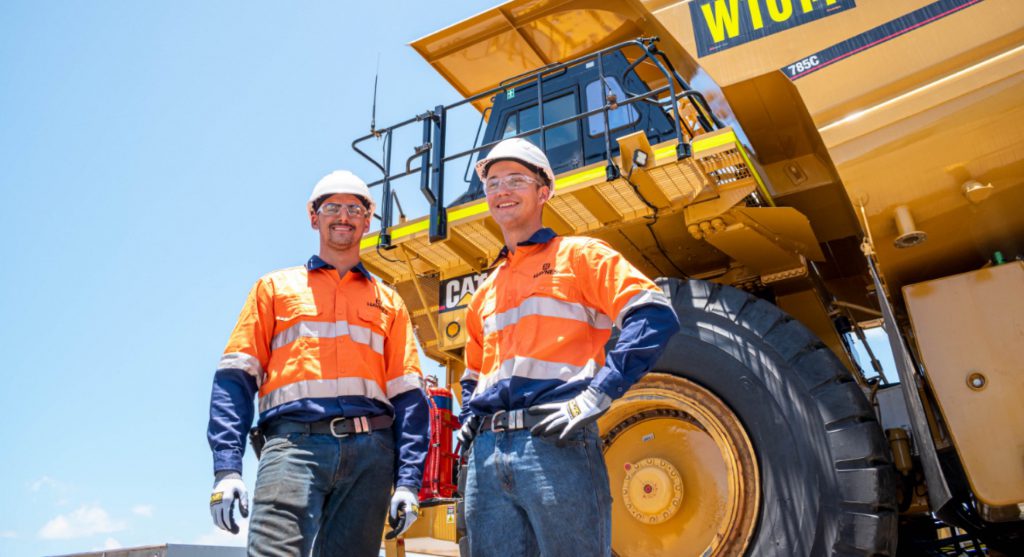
(438, 212)
(938, 490)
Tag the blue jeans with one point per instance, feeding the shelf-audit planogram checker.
(526, 495)
(318, 487)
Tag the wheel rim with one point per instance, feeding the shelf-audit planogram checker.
(683, 474)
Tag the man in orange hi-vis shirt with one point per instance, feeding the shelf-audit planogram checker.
(537, 377)
(342, 411)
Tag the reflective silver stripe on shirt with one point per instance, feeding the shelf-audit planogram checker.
(547, 307)
(470, 375)
(531, 368)
(645, 298)
(322, 329)
(404, 384)
(322, 388)
(244, 362)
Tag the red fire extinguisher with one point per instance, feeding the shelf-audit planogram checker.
(437, 471)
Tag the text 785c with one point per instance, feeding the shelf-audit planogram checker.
(803, 65)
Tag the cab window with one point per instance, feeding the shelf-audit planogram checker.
(556, 109)
(596, 97)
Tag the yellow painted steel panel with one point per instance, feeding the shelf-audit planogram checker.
(436, 522)
(725, 149)
(572, 210)
(679, 180)
(759, 253)
(517, 37)
(969, 324)
(624, 199)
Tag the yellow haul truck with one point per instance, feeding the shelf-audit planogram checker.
(793, 172)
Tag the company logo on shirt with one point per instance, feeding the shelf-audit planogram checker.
(545, 269)
(377, 304)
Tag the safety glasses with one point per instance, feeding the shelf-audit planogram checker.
(353, 210)
(512, 182)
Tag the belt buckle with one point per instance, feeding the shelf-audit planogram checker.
(334, 432)
(494, 421)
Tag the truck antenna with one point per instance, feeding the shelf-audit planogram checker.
(373, 112)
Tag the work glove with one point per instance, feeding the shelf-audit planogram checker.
(228, 488)
(563, 418)
(468, 430)
(405, 509)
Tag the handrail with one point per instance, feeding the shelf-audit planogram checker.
(431, 151)
(633, 100)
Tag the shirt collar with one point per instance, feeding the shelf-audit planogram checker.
(541, 236)
(315, 263)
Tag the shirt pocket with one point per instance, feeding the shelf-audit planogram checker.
(295, 320)
(561, 286)
(294, 307)
(370, 328)
(552, 315)
(373, 318)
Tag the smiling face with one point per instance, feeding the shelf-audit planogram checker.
(340, 232)
(517, 211)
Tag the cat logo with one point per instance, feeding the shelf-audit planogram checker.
(723, 24)
(455, 292)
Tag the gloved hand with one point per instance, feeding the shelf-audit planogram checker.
(228, 488)
(468, 430)
(405, 509)
(568, 416)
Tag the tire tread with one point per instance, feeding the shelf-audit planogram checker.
(859, 450)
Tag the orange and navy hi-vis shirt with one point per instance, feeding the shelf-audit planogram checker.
(318, 346)
(538, 325)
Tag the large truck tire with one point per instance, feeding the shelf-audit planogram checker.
(801, 466)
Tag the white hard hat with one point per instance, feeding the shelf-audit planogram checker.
(517, 149)
(341, 181)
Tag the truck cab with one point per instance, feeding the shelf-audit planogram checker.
(565, 94)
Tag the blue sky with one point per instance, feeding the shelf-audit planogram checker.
(155, 158)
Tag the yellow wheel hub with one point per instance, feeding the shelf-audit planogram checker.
(652, 490)
(683, 472)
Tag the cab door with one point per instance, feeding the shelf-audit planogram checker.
(561, 144)
(624, 120)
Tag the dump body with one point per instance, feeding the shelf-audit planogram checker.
(912, 99)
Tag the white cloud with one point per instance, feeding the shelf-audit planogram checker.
(52, 490)
(216, 536)
(8, 534)
(45, 481)
(83, 521)
(143, 510)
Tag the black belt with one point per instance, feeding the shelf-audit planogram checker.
(510, 420)
(338, 427)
